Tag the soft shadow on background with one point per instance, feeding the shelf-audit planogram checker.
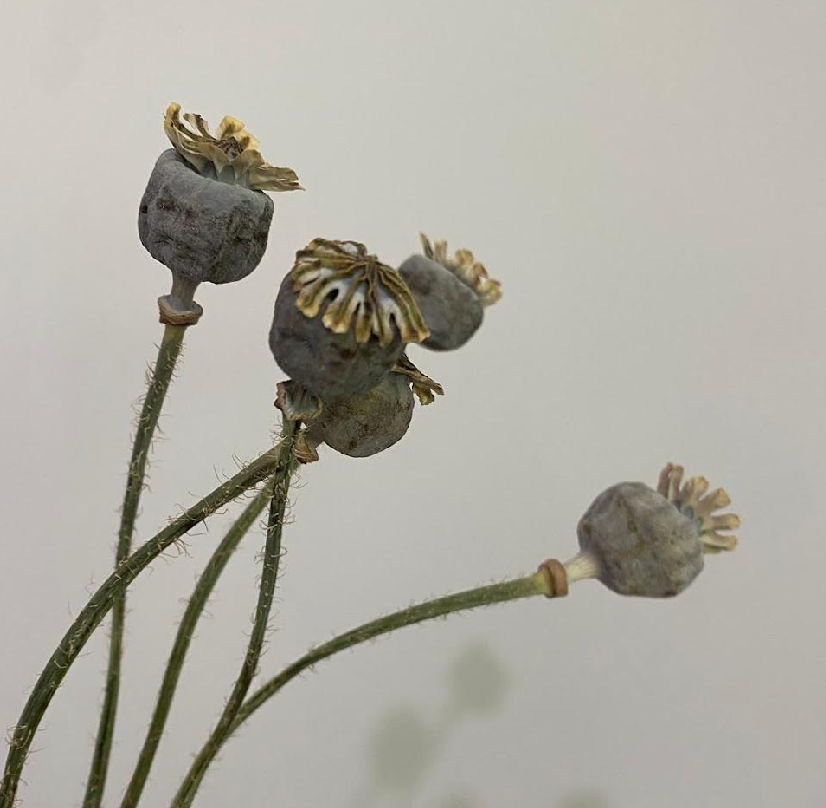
(406, 744)
(648, 180)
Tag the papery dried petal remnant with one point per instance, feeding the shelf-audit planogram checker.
(466, 268)
(423, 386)
(232, 155)
(692, 499)
(359, 291)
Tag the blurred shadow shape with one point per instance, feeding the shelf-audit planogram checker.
(463, 800)
(478, 681)
(404, 746)
(402, 750)
(588, 798)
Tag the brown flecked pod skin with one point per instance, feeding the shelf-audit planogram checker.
(204, 230)
(367, 423)
(643, 543)
(450, 308)
(328, 364)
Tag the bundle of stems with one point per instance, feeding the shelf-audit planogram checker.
(274, 468)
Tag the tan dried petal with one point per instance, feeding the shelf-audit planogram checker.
(245, 163)
(229, 127)
(234, 148)
(718, 543)
(675, 478)
(184, 141)
(712, 502)
(363, 294)
(463, 266)
(264, 177)
(423, 386)
(196, 120)
(725, 521)
(695, 503)
(691, 492)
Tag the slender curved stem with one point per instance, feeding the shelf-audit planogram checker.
(101, 602)
(200, 595)
(266, 593)
(516, 589)
(168, 352)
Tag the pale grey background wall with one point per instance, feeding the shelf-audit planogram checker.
(648, 180)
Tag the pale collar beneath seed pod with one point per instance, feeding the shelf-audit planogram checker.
(232, 154)
(362, 293)
(296, 402)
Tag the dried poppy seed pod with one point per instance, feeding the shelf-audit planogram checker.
(203, 213)
(639, 541)
(363, 424)
(201, 229)
(451, 292)
(366, 423)
(342, 319)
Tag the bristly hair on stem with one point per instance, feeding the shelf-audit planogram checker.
(194, 609)
(516, 589)
(159, 381)
(101, 602)
(266, 594)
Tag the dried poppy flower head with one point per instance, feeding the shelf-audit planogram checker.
(639, 541)
(230, 156)
(466, 268)
(359, 291)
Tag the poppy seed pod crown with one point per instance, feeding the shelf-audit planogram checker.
(203, 213)
(451, 292)
(342, 319)
(639, 541)
(232, 156)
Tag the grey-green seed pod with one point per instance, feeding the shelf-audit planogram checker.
(342, 319)
(639, 541)
(203, 230)
(327, 363)
(643, 544)
(366, 423)
(451, 310)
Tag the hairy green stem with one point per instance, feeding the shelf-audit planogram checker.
(101, 602)
(159, 382)
(516, 589)
(200, 595)
(266, 593)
